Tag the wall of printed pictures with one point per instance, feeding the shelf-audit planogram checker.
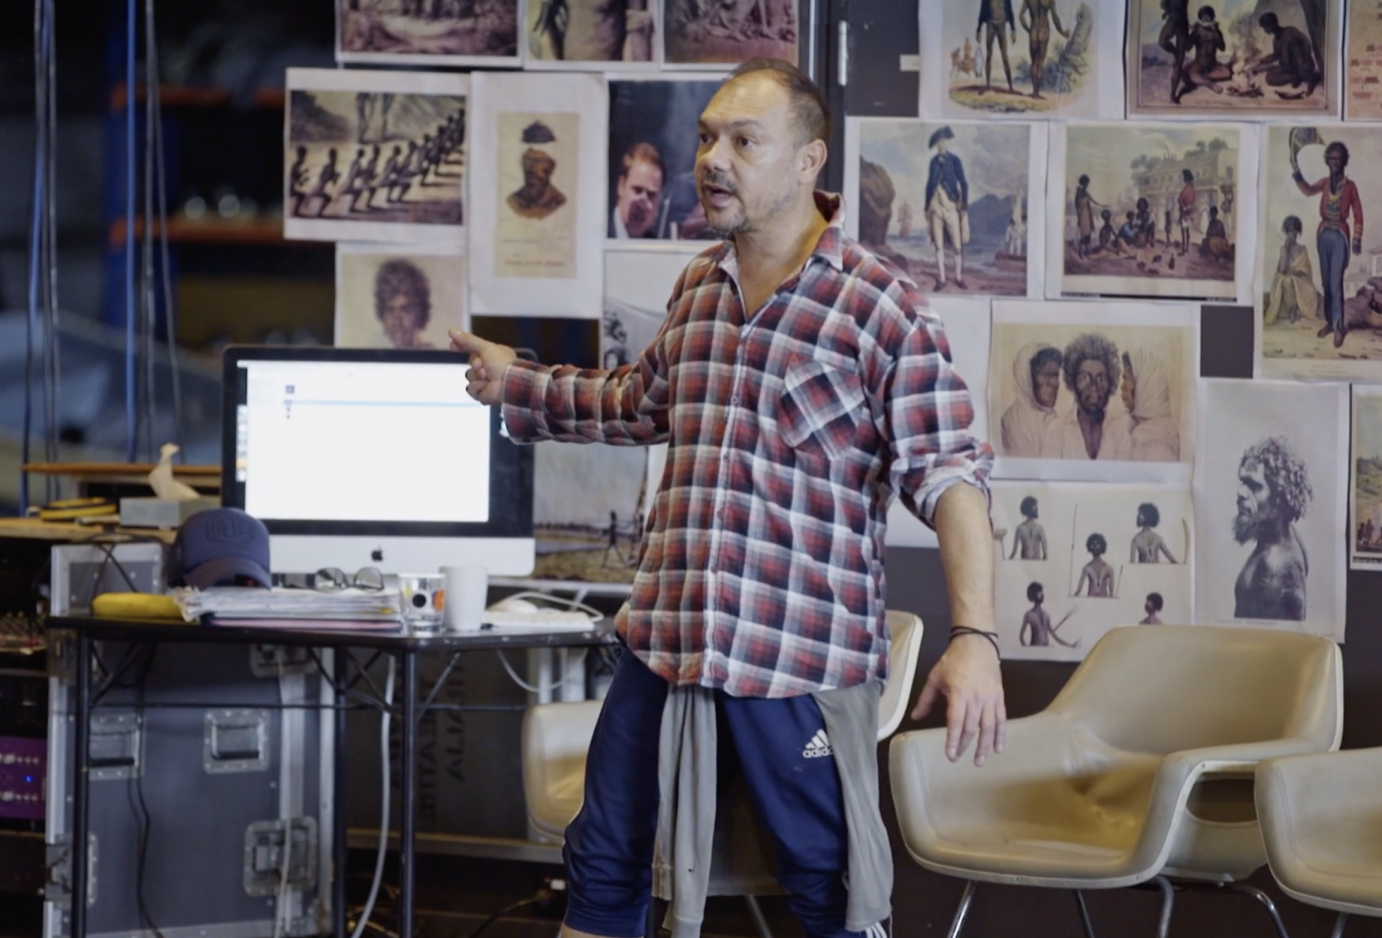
(1082, 178)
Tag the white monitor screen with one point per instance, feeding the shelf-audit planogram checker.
(362, 441)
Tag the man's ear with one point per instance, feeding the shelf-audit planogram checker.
(811, 160)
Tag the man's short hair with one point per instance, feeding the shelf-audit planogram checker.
(1287, 477)
(1292, 223)
(399, 275)
(1155, 600)
(1032, 590)
(1149, 513)
(641, 153)
(1029, 507)
(1092, 345)
(1268, 21)
(1337, 147)
(810, 113)
(1096, 544)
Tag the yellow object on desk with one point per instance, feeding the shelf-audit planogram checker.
(135, 606)
(73, 508)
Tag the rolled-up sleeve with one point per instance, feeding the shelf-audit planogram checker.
(929, 414)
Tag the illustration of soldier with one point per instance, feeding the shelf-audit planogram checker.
(947, 205)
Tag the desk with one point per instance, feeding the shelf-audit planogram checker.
(405, 648)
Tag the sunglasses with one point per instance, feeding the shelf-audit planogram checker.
(331, 579)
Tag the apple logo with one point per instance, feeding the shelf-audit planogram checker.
(377, 555)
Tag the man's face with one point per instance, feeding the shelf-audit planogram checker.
(942, 147)
(537, 170)
(1254, 501)
(1046, 384)
(1040, 596)
(402, 319)
(746, 163)
(1092, 389)
(639, 190)
(1335, 161)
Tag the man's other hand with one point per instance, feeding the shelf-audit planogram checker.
(488, 361)
(969, 678)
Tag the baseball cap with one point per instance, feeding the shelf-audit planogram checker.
(218, 546)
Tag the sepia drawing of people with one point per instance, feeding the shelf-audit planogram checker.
(1293, 295)
(1339, 199)
(1146, 392)
(402, 302)
(996, 23)
(539, 197)
(1092, 370)
(1207, 39)
(449, 30)
(947, 205)
(1097, 575)
(1029, 426)
(591, 31)
(1030, 538)
(1152, 606)
(1274, 492)
(638, 193)
(1147, 545)
(1037, 630)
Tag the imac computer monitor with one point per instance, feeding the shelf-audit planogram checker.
(368, 457)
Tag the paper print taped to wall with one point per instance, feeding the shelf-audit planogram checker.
(1271, 57)
(1156, 210)
(724, 33)
(638, 286)
(1319, 268)
(1270, 491)
(1021, 58)
(598, 34)
(427, 32)
(949, 202)
(1363, 61)
(374, 156)
(1103, 392)
(1365, 483)
(398, 297)
(1073, 562)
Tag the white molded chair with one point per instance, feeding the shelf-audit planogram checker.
(1322, 827)
(557, 735)
(1141, 768)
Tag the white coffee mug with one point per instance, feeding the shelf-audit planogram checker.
(467, 590)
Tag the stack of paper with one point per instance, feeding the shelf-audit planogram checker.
(241, 603)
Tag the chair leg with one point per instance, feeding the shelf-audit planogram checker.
(1339, 924)
(759, 922)
(962, 910)
(1084, 914)
(1168, 900)
(1267, 903)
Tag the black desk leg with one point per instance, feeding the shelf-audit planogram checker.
(406, 840)
(338, 804)
(80, 784)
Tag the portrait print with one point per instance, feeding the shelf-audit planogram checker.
(1021, 58)
(1363, 61)
(427, 32)
(1320, 293)
(374, 156)
(1270, 493)
(638, 286)
(1098, 393)
(948, 202)
(1272, 57)
(652, 159)
(1151, 210)
(1365, 482)
(537, 194)
(398, 297)
(1073, 561)
(721, 35)
(567, 34)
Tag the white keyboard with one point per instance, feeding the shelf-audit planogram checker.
(553, 619)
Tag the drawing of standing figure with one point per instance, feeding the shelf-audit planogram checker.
(1037, 630)
(947, 205)
(1098, 573)
(1036, 17)
(1175, 39)
(1030, 536)
(1147, 545)
(996, 15)
(1338, 199)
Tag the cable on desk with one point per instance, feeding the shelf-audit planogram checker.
(384, 808)
(537, 690)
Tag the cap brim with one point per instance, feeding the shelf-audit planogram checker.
(218, 570)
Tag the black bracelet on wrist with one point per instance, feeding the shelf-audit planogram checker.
(967, 630)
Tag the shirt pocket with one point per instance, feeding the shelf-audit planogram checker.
(821, 407)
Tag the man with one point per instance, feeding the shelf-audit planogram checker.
(1152, 606)
(1092, 371)
(638, 193)
(1147, 545)
(402, 303)
(538, 198)
(1098, 573)
(1084, 216)
(1186, 203)
(1292, 60)
(1037, 630)
(1036, 17)
(1274, 493)
(947, 204)
(1339, 199)
(994, 15)
(1175, 40)
(1030, 536)
(746, 600)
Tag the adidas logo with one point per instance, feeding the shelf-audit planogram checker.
(818, 747)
